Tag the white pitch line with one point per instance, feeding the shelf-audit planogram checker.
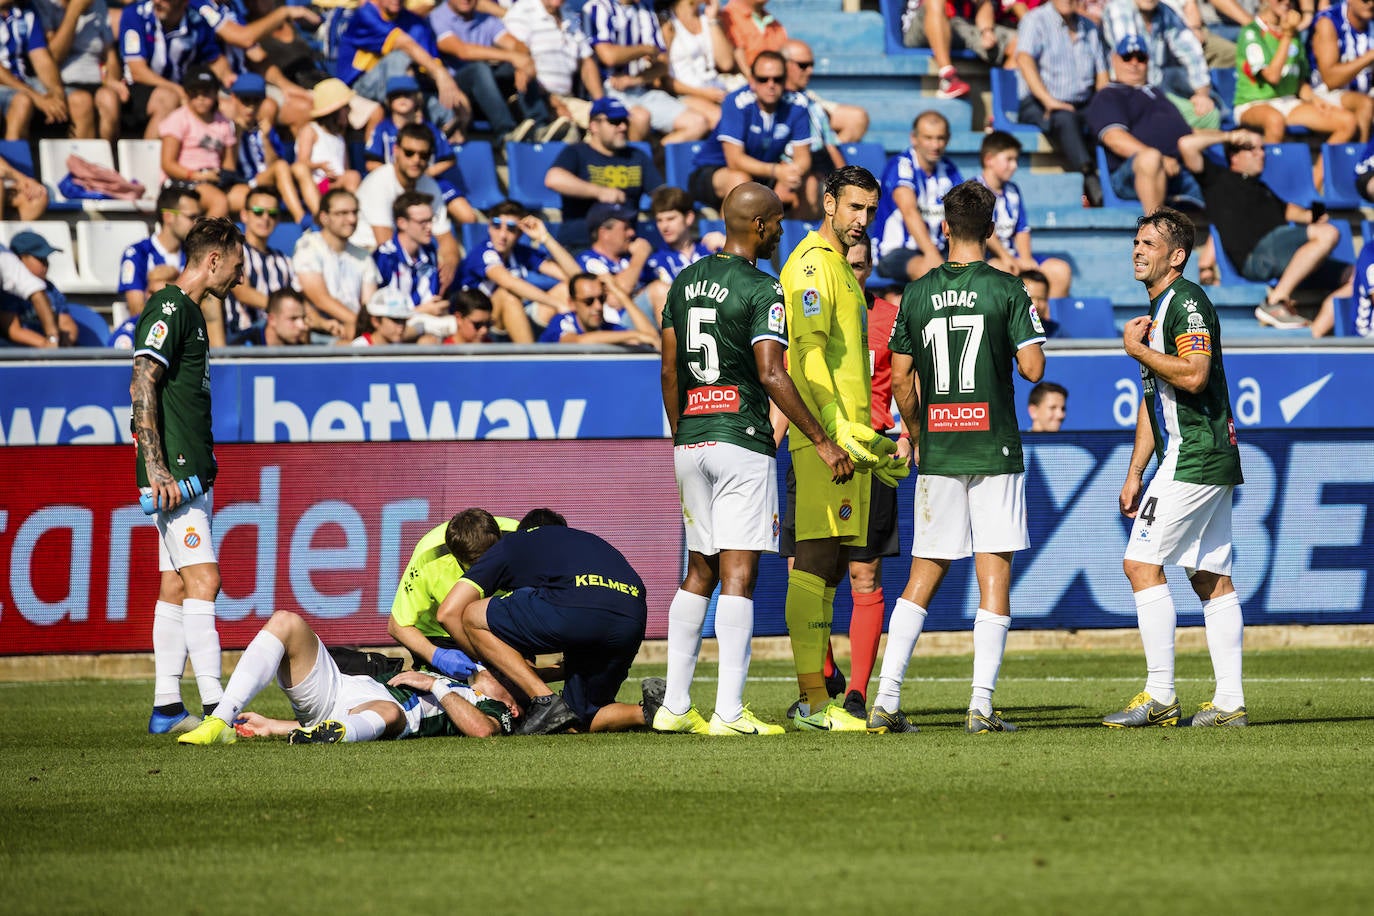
(1088, 680)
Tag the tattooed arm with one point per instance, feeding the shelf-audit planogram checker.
(148, 373)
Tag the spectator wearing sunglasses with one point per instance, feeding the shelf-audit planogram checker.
(472, 312)
(1177, 64)
(604, 168)
(509, 268)
(763, 136)
(587, 322)
(265, 269)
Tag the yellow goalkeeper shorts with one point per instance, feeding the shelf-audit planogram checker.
(826, 509)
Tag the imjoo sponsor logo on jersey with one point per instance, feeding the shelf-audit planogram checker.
(958, 417)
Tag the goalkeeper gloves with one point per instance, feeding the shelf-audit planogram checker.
(892, 470)
(867, 448)
(454, 663)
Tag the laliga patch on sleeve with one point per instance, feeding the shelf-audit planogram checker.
(157, 335)
(776, 322)
(126, 272)
(811, 303)
(1035, 320)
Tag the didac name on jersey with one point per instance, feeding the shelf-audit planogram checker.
(954, 299)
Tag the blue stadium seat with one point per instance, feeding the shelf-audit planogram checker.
(91, 329)
(1109, 198)
(892, 28)
(284, 237)
(473, 235)
(677, 162)
(1338, 167)
(478, 168)
(1227, 273)
(1083, 317)
(867, 154)
(528, 163)
(18, 154)
(1353, 319)
(793, 231)
(1345, 248)
(1288, 172)
(1224, 82)
(1004, 102)
(1367, 230)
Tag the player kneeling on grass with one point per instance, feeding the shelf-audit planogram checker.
(569, 592)
(331, 706)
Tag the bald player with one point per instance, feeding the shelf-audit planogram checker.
(718, 375)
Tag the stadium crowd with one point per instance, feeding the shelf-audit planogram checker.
(335, 128)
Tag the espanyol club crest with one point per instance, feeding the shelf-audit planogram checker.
(192, 540)
(846, 510)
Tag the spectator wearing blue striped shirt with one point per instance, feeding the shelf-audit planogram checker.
(178, 208)
(29, 79)
(260, 154)
(1062, 62)
(408, 262)
(265, 269)
(159, 41)
(628, 44)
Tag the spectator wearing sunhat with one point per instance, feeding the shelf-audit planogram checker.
(321, 153)
(33, 312)
(603, 168)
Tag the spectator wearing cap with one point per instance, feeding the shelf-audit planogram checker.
(602, 168)
(178, 208)
(159, 41)
(26, 196)
(383, 320)
(30, 82)
(336, 276)
(404, 107)
(384, 39)
(1140, 128)
(1177, 63)
(199, 143)
(81, 42)
(286, 323)
(506, 269)
(1062, 63)
(628, 43)
(260, 154)
(619, 258)
(321, 152)
(491, 65)
(588, 322)
(33, 312)
(413, 151)
(763, 136)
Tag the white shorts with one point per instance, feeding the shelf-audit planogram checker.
(729, 497)
(969, 513)
(1189, 524)
(663, 108)
(184, 534)
(1284, 106)
(328, 693)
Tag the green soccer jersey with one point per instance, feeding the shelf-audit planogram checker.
(1199, 426)
(171, 330)
(719, 308)
(1255, 47)
(962, 325)
(429, 576)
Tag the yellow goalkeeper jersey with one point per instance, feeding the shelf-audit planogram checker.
(827, 331)
(429, 576)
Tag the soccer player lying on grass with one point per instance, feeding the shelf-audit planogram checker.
(331, 706)
(570, 592)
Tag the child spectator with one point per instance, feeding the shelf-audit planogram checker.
(1046, 406)
(501, 268)
(677, 223)
(321, 154)
(199, 143)
(472, 311)
(261, 157)
(383, 319)
(1009, 249)
(1038, 288)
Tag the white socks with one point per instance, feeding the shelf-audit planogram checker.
(903, 629)
(734, 634)
(169, 653)
(202, 644)
(255, 670)
(363, 726)
(1225, 634)
(1157, 621)
(686, 617)
(989, 644)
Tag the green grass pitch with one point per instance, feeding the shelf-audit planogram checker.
(1062, 817)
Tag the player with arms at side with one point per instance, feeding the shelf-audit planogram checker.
(1184, 515)
(960, 329)
(718, 376)
(829, 364)
(176, 467)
